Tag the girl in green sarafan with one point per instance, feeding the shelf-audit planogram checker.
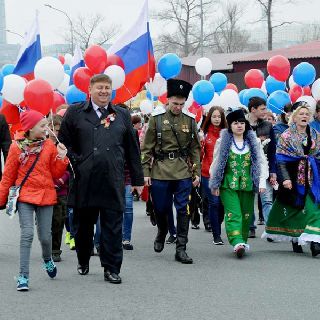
(295, 215)
(239, 170)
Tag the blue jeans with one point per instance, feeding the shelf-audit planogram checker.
(215, 207)
(128, 214)
(70, 227)
(267, 201)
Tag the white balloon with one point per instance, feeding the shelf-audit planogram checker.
(310, 101)
(13, 88)
(203, 66)
(189, 101)
(65, 84)
(229, 98)
(215, 102)
(158, 86)
(68, 59)
(117, 76)
(51, 70)
(146, 106)
(315, 89)
(263, 88)
(291, 82)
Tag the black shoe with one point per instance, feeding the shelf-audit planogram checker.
(158, 246)
(207, 227)
(260, 222)
(92, 252)
(195, 227)
(296, 247)
(217, 241)
(315, 248)
(56, 257)
(252, 234)
(171, 239)
(270, 240)
(182, 257)
(111, 277)
(126, 245)
(83, 269)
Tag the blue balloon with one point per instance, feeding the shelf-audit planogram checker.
(1, 100)
(219, 81)
(66, 67)
(273, 85)
(253, 92)
(149, 96)
(304, 74)
(7, 69)
(241, 95)
(1, 80)
(68, 72)
(277, 101)
(74, 95)
(169, 66)
(203, 92)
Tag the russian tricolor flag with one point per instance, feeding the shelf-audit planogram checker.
(77, 62)
(30, 52)
(136, 51)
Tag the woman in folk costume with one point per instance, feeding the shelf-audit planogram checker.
(239, 169)
(295, 215)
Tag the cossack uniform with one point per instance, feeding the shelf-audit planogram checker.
(171, 148)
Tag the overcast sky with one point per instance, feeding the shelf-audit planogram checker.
(20, 14)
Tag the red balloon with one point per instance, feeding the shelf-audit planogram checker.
(58, 100)
(61, 58)
(163, 99)
(39, 96)
(254, 78)
(295, 92)
(95, 58)
(279, 67)
(10, 112)
(81, 79)
(232, 87)
(114, 60)
(306, 91)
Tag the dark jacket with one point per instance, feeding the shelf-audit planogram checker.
(5, 140)
(264, 128)
(279, 128)
(98, 155)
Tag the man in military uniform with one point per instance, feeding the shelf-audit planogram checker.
(171, 148)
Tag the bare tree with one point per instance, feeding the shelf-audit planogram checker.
(90, 29)
(310, 32)
(229, 37)
(267, 7)
(185, 16)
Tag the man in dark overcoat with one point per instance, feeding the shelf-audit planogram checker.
(100, 139)
(5, 140)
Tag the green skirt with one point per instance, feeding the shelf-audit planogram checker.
(287, 223)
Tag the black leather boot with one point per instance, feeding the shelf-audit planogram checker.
(296, 247)
(162, 223)
(182, 238)
(315, 248)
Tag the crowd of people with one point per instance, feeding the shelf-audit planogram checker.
(82, 168)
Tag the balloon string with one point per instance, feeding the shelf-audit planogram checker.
(282, 111)
(74, 175)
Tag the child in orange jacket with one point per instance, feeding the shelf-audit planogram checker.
(38, 193)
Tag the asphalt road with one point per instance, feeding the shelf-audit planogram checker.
(270, 283)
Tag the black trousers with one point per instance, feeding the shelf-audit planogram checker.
(111, 253)
(58, 219)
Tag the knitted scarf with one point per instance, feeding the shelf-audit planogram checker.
(28, 147)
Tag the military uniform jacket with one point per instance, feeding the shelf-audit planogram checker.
(98, 154)
(177, 168)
